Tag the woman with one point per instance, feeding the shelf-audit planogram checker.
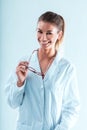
(44, 88)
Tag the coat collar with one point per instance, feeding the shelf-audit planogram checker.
(34, 62)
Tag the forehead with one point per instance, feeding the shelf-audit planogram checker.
(46, 26)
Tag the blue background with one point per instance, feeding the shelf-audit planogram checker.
(18, 38)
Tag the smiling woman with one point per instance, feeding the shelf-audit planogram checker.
(44, 87)
(47, 34)
(51, 27)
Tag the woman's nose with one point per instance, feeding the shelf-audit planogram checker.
(44, 37)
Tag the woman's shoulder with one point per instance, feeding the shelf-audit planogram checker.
(69, 65)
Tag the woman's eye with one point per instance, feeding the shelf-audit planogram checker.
(39, 31)
(49, 33)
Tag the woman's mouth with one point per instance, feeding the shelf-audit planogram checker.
(45, 43)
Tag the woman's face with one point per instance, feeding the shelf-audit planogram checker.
(47, 34)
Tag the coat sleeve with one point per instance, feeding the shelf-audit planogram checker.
(71, 102)
(14, 94)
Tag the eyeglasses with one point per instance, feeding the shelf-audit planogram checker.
(32, 69)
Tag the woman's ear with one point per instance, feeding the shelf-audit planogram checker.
(60, 34)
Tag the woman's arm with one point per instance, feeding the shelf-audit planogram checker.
(14, 93)
(16, 83)
(71, 103)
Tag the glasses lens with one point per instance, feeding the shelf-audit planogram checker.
(34, 71)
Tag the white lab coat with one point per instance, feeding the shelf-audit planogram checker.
(51, 103)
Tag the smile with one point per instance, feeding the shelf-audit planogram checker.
(46, 44)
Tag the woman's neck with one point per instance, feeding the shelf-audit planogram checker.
(47, 53)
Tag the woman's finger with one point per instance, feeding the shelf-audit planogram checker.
(21, 68)
(25, 63)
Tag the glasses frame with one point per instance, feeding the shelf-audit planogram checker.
(31, 68)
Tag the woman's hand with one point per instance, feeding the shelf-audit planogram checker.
(22, 71)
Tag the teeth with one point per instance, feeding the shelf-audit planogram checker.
(44, 43)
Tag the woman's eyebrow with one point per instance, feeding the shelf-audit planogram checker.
(46, 31)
